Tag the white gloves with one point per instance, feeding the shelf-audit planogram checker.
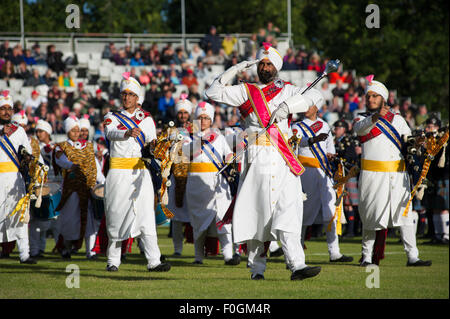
(231, 72)
(315, 96)
(279, 114)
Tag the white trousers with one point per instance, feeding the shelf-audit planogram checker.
(332, 240)
(292, 249)
(149, 244)
(23, 247)
(408, 236)
(226, 242)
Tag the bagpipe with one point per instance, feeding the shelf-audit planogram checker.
(35, 176)
(419, 150)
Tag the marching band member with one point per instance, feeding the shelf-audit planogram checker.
(76, 159)
(384, 186)
(208, 196)
(39, 227)
(316, 149)
(85, 126)
(177, 192)
(268, 206)
(12, 228)
(129, 194)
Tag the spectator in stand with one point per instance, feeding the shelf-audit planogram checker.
(174, 77)
(128, 52)
(167, 54)
(201, 72)
(16, 56)
(361, 107)
(29, 60)
(351, 96)
(210, 58)
(339, 89)
(233, 61)
(395, 108)
(314, 63)
(164, 104)
(144, 78)
(22, 72)
(33, 101)
(38, 56)
(108, 51)
(361, 87)
(137, 60)
(142, 50)
(222, 58)
(228, 44)
(339, 75)
(179, 57)
(98, 102)
(345, 113)
(5, 50)
(326, 92)
(35, 79)
(272, 31)
(65, 80)
(300, 61)
(189, 79)
(7, 71)
(289, 64)
(196, 53)
(54, 59)
(153, 53)
(409, 118)
(151, 100)
(261, 37)
(251, 46)
(391, 99)
(422, 115)
(48, 77)
(54, 94)
(120, 58)
(211, 41)
(193, 92)
(42, 111)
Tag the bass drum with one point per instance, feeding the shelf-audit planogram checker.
(51, 196)
(98, 194)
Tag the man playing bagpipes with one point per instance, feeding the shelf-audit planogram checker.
(13, 219)
(315, 151)
(384, 185)
(129, 193)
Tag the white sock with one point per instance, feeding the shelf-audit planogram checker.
(444, 221)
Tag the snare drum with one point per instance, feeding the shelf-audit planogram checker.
(98, 193)
(160, 217)
(51, 196)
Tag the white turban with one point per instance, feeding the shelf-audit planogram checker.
(205, 108)
(184, 104)
(70, 123)
(6, 99)
(377, 87)
(20, 118)
(45, 126)
(84, 123)
(267, 51)
(130, 84)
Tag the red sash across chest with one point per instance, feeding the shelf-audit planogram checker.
(375, 131)
(269, 91)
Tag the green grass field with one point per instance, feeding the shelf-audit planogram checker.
(214, 280)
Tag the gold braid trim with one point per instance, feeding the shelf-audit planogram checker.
(81, 183)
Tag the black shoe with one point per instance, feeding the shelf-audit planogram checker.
(304, 273)
(93, 257)
(30, 261)
(162, 258)
(162, 267)
(236, 260)
(365, 264)
(112, 268)
(66, 255)
(197, 262)
(343, 259)
(257, 277)
(419, 263)
(277, 253)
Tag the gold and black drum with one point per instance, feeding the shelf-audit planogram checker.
(180, 173)
(98, 194)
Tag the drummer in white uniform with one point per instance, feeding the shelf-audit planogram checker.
(315, 150)
(268, 206)
(129, 194)
(12, 228)
(384, 185)
(208, 196)
(183, 109)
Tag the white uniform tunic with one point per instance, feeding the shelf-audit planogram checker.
(319, 206)
(208, 196)
(129, 194)
(12, 189)
(269, 194)
(383, 195)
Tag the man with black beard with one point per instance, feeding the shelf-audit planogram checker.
(268, 205)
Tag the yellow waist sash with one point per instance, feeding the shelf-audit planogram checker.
(126, 163)
(309, 161)
(8, 167)
(263, 140)
(383, 166)
(202, 168)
